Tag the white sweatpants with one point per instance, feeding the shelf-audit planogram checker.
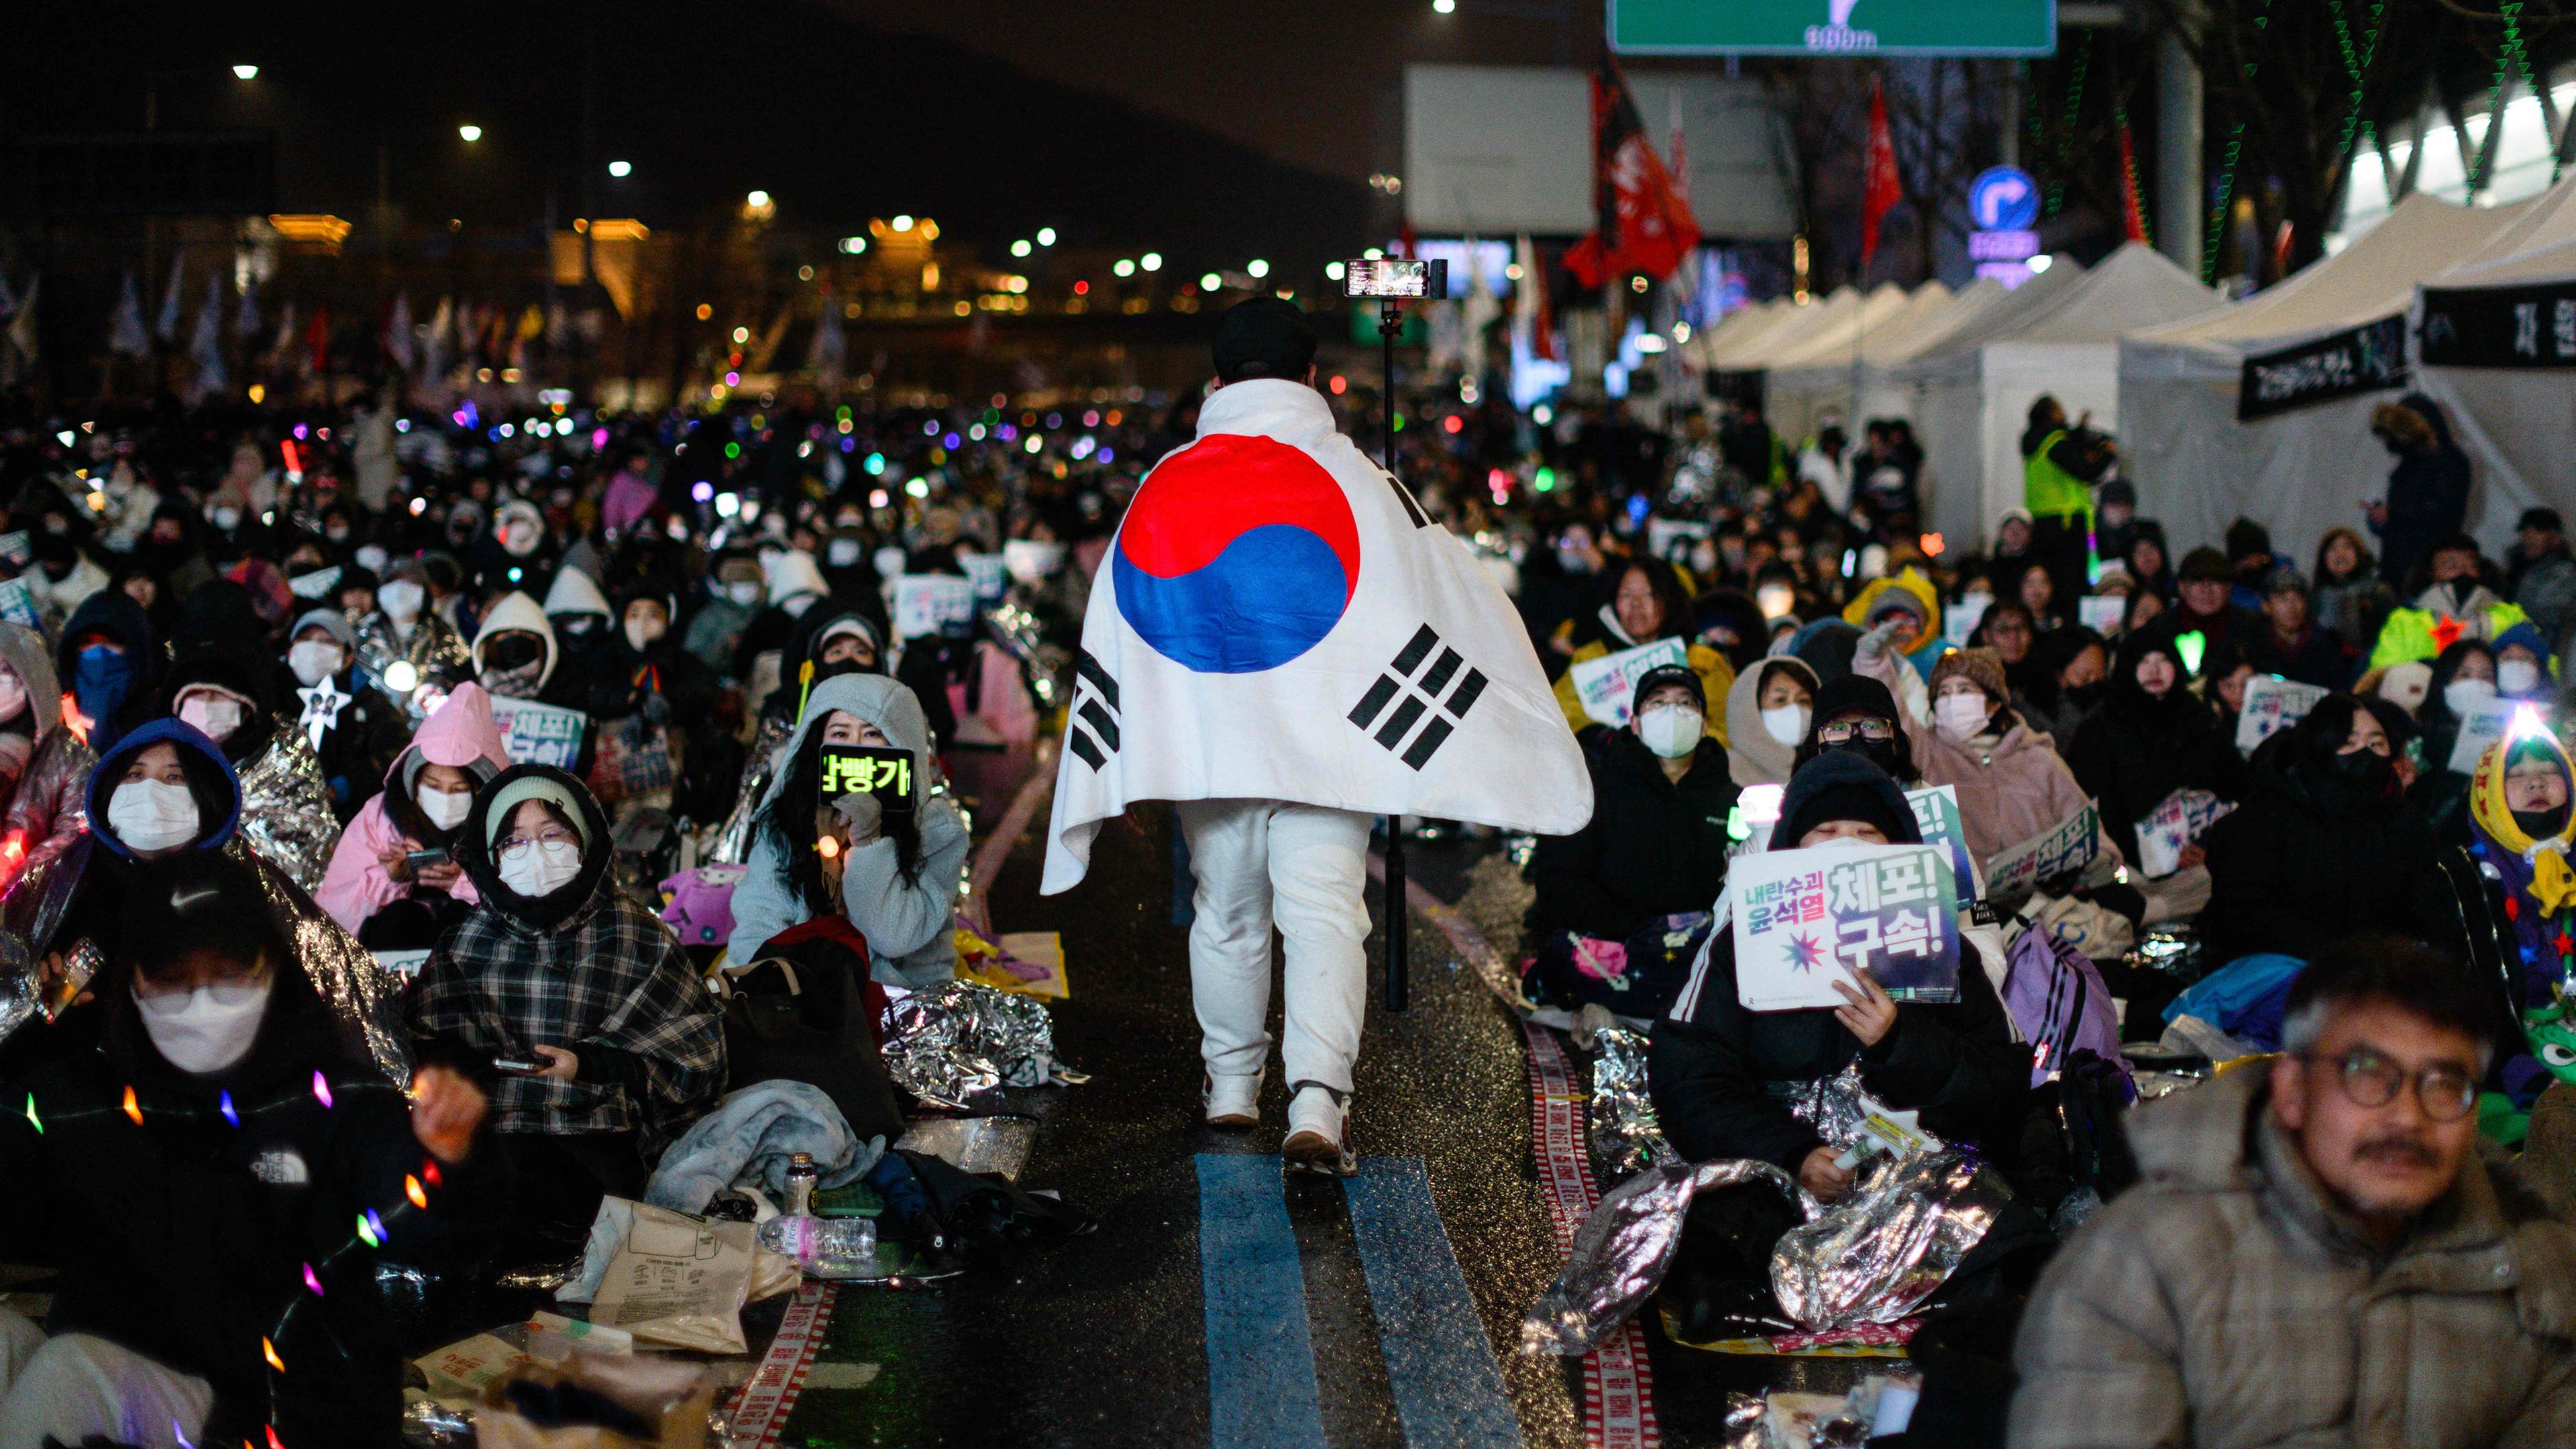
(73, 1387)
(1305, 868)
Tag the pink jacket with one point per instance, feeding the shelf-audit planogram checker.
(458, 733)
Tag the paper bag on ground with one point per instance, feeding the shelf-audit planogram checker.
(679, 1281)
(592, 1402)
(1802, 916)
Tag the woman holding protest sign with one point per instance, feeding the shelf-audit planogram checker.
(885, 852)
(2149, 737)
(1714, 1061)
(1646, 603)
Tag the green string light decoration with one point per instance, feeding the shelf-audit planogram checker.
(2056, 190)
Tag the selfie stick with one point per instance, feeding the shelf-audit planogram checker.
(1390, 321)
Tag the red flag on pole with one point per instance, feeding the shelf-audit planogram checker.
(1880, 192)
(1643, 223)
(2131, 212)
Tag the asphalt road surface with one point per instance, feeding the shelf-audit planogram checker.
(1219, 1303)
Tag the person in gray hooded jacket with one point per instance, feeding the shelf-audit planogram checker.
(894, 876)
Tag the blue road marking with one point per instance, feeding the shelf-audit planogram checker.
(1261, 1359)
(1448, 1390)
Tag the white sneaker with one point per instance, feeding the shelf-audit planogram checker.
(1318, 1133)
(1233, 1103)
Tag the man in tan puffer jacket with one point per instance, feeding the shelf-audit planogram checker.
(2317, 1255)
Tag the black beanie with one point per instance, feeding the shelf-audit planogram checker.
(1264, 337)
(198, 900)
(1843, 785)
(1855, 693)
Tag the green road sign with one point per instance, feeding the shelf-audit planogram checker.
(1833, 27)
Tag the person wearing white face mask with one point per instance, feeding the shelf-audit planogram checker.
(1767, 711)
(731, 598)
(656, 706)
(1622, 903)
(288, 813)
(395, 881)
(218, 1122)
(354, 731)
(556, 965)
(2522, 663)
(407, 648)
(2012, 786)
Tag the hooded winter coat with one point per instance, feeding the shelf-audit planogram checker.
(2134, 750)
(50, 808)
(584, 628)
(1752, 756)
(459, 733)
(186, 1233)
(551, 682)
(580, 967)
(1711, 1062)
(432, 650)
(908, 918)
(2225, 1302)
(2428, 495)
(2314, 853)
(286, 807)
(2011, 783)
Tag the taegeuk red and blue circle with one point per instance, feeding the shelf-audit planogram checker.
(1238, 554)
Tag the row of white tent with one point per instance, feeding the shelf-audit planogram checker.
(2162, 362)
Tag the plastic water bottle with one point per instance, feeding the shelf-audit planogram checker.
(839, 1248)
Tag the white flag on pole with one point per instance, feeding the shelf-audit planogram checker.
(1277, 621)
(398, 332)
(206, 347)
(125, 332)
(167, 326)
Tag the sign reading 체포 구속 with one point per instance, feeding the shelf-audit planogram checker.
(1833, 27)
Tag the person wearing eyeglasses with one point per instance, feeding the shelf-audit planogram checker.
(1857, 713)
(2316, 1253)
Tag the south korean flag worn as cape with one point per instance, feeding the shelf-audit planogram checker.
(1276, 620)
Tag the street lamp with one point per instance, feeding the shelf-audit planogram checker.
(1444, 7)
(1258, 268)
(1151, 261)
(1046, 236)
(245, 72)
(620, 169)
(469, 134)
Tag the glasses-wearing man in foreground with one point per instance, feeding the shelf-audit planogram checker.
(2315, 1253)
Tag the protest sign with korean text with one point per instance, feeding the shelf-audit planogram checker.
(539, 734)
(1801, 917)
(1936, 814)
(1608, 685)
(2177, 822)
(2068, 845)
(932, 604)
(2273, 704)
(2482, 727)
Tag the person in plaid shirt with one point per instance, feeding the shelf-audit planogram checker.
(554, 966)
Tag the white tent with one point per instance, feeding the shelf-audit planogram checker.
(1769, 324)
(1801, 326)
(1819, 376)
(2298, 473)
(1732, 329)
(2518, 424)
(2058, 338)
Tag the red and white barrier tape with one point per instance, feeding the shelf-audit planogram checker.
(770, 1397)
(1618, 1383)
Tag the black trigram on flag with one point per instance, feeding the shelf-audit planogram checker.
(1095, 706)
(1414, 695)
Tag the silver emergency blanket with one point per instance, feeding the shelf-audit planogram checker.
(959, 1043)
(344, 974)
(1873, 1257)
(1624, 1248)
(1626, 1136)
(436, 653)
(286, 808)
(1014, 627)
(733, 843)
